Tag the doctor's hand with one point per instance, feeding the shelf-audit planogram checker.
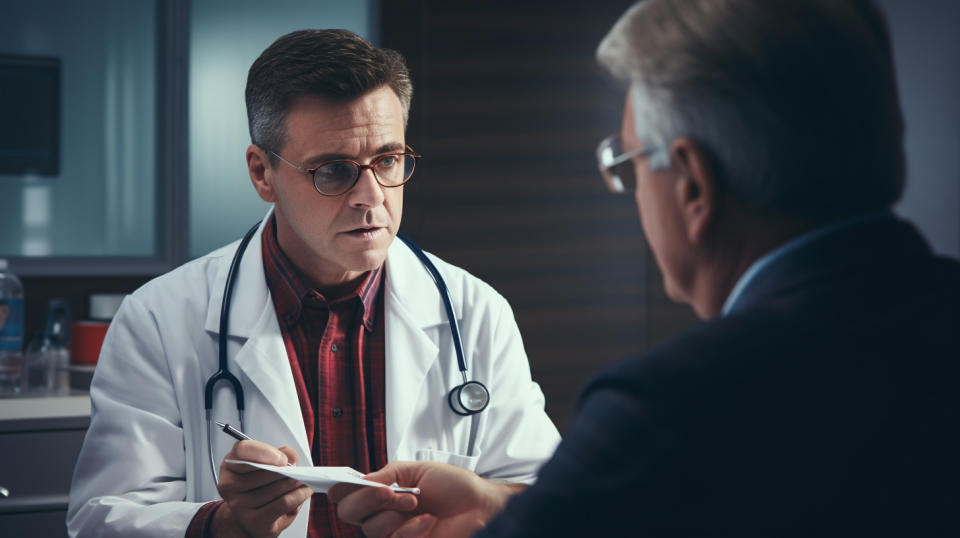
(453, 502)
(257, 502)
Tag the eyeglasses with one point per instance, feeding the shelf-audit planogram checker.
(616, 166)
(333, 178)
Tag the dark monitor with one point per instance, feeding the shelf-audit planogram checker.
(29, 115)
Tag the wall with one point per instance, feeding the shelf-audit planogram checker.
(926, 42)
(226, 36)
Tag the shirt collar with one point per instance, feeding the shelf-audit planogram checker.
(289, 286)
(768, 259)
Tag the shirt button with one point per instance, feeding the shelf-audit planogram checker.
(337, 412)
(334, 348)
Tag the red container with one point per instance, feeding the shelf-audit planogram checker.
(86, 339)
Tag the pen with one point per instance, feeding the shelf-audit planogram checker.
(240, 436)
(237, 434)
(233, 432)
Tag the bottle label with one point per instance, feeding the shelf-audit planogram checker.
(11, 324)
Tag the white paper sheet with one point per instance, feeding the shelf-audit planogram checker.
(321, 479)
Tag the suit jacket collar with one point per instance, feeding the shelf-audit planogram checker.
(875, 245)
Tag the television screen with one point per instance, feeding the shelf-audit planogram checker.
(29, 115)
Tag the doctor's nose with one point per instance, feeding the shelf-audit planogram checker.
(367, 192)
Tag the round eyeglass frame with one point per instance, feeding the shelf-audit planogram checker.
(409, 152)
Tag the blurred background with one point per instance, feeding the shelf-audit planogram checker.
(147, 166)
(122, 138)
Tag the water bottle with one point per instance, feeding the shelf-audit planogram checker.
(56, 346)
(11, 331)
(48, 357)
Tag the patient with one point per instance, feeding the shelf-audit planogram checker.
(763, 143)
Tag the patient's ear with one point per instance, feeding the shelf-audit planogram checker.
(261, 173)
(696, 188)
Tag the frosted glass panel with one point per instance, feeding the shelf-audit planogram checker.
(226, 36)
(102, 201)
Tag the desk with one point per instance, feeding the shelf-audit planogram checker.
(40, 438)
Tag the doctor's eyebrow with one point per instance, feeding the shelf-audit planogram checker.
(391, 147)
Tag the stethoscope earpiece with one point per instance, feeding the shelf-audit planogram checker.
(469, 398)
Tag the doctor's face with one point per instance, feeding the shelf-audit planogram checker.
(334, 239)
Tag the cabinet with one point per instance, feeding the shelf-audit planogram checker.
(40, 439)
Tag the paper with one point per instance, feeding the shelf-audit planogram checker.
(321, 479)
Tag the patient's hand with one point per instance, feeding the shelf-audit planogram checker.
(453, 502)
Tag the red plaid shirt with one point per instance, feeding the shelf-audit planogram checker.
(335, 344)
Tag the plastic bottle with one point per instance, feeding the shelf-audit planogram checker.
(56, 346)
(47, 367)
(11, 331)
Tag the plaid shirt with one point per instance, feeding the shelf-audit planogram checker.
(335, 345)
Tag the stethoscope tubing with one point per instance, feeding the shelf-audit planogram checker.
(447, 302)
(223, 373)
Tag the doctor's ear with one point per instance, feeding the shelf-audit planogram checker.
(261, 172)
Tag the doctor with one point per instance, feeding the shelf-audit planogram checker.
(337, 333)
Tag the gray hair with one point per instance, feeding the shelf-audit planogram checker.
(794, 101)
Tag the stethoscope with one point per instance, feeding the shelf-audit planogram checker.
(466, 399)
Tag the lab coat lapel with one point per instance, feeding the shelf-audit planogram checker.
(262, 357)
(413, 311)
(250, 293)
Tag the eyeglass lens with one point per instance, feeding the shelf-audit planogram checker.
(618, 177)
(339, 176)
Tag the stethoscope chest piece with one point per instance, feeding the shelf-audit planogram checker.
(469, 398)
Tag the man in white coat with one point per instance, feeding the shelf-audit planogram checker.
(337, 333)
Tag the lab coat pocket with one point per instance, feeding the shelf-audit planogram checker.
(467, 462)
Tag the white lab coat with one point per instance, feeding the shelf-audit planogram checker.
(143, 469)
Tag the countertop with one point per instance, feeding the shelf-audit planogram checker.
(76, 404)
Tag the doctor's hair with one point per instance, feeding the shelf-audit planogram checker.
(337, 65)
(794, 102)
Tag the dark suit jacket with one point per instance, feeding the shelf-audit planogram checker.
(827, 403)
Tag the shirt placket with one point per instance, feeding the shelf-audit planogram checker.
(335, 382)
(335, 385)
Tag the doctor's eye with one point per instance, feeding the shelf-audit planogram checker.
(338, 170)
(387, 161)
